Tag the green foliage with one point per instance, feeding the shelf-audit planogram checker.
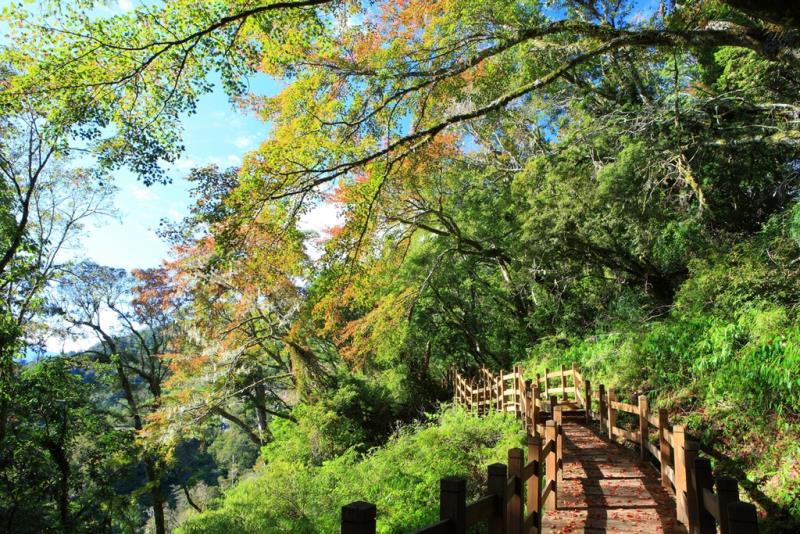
(401, 477)
(58, 453)
(355, 414)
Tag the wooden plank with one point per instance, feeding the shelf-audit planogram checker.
(612, 413)
(575, 382)
(742, 518)
(480, 510)
(587, 403)
(548, 490)
(533, 472)
(653, 449)
(644, 428)
(516, 506)
(711, 503)
(653, 420)
(671, 475)
(681, 478)
(496, 483)
(442, 527)
(531, 523)
(577, 374)
(624, 407)
(663, 446)
(551, 467)
(627, 434)
(358, 518)
(530, 469)
(453, 503)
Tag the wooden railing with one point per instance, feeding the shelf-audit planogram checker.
(518, 492)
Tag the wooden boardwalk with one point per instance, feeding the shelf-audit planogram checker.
(606, 488)
(570, 479)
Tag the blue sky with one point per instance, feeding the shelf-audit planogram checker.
(217, 133)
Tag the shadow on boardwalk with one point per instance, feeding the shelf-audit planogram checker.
(605, 488)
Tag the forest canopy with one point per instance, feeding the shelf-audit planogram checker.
(608, 182)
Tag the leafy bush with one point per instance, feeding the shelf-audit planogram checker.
(401, 478)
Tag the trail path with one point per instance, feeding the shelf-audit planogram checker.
(606, 488)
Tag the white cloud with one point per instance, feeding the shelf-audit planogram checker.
(227, 161)
(82, 338)
(319, 219)
(185, 164)
(243, 141)
(125, 5)
(143, 193)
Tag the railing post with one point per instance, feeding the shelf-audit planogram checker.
(587, 396)
(534, 490)
(453, 503)
(702, 480)
(536, 399)
(479, 393)
(663, 445)
(742, 518)
(502, 385)
(727, 493)
(546, 382)
(687, 505)
(514, 399)
(681, 468)
(612, 413)
(528, 406)
(553, 404)
(550, 465)
(492, 385)
(575, 385)
(519, 380)
(563, 383)
(358, 518)
(559, 444)
(601, 405)
(498, 477)
(516, 462)
(644, 425)
(471, 395)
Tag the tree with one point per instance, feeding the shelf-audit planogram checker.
(133, 325)
(243, 355)
(59, 453)
(419, 70)
(45, 201)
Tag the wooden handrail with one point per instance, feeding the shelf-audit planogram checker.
(480, 510)
(515, 494)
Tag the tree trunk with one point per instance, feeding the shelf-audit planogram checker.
(156, 494)
(62, 462)
(261, 411)
(152, 475)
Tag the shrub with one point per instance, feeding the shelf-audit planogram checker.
(401, 478)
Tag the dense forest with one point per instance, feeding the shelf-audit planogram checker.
(538, 182)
